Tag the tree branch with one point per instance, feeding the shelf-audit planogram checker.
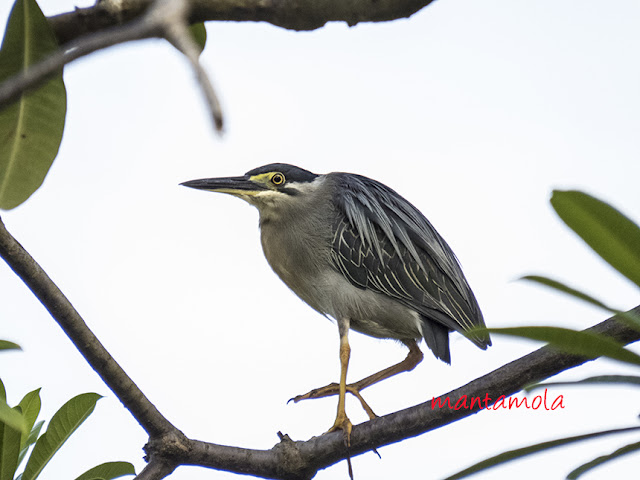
(13, 87)
(156, 469)
(176, 32)
(290, 14)
(301, 460)
(82, 337)
(110, 22)
(164, 19)
(168, 448)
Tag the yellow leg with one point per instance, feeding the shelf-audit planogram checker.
(365, 405)
(414, 357)
(342, 421)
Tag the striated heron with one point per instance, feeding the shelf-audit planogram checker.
(356, 251)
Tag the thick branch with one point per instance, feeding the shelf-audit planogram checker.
(156, 469)
(168, 448)
(290, 14)
(82, 337)
(301, 460)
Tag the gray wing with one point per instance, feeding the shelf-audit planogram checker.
(383, 243)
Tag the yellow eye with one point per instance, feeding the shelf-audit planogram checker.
(277, 179)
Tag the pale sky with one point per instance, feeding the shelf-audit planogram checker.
(474, 111)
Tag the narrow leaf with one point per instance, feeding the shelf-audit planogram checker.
(570, 291)
(12, 418)
(7, 345)
(607, 231)
(30, 406)
(600, 379)
(10, 451)
(63, 423)
(199, 33)
(31, 439)
(31, 128)
(588, 344)
(3, 392)
(108, 470)
(628, 317)
(633, 447)
(523, 452)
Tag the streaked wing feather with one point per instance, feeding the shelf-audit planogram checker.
(383, 243)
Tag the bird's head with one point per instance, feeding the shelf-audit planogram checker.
(267, 187)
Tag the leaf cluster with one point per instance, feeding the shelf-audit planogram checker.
(616, 239)
(19, 432)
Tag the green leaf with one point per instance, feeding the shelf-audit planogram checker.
(630, 317)
(31, 439)
(12, 418)
(30, 406)
(10, 450)
(63, 423)
(3, 392)
(584, 343)
(607, 231)
(600, 379)
(30, 128)
(199, 34)
(7, 345)
(108, 470)
(549, 282)
(523, 452)
(603, 459)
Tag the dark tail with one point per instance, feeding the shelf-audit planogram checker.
(437, 337)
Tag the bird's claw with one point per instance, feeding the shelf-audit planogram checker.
(326, 391)
(333, 389)
(343, 423)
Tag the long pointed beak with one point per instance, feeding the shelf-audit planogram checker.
(231, 185)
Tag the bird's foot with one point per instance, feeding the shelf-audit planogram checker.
(326, 391)
(343, 423)
(334, 389)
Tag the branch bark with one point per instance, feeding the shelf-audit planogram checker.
(289, 14)
(82, 337)
(110, 22)
(301, 460)
(288, 460)
(164, 19)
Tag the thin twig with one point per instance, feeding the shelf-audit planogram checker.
(167, 18)
(173, 15)
(13, 87)
(178, 36)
